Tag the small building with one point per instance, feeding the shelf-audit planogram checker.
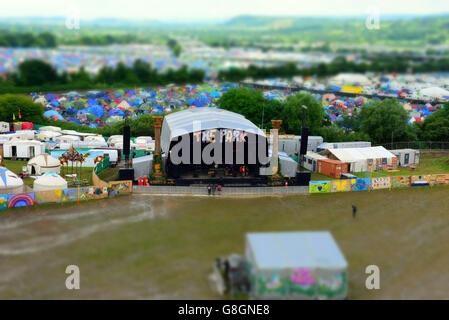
(363, 159)
(342, 145)
(145, 143)
(406, 156)
(47, 135)
(311, 160)
(67, 139)
(49, 181)
(142, 166)
(295, 265)
(10, 183)
(23, 149)
(50, 128)
(43, 163)
(332, 168)
(291, 144)
(4, 127)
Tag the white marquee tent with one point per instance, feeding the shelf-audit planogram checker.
(49, 181)
(9, 182)
(43, 163)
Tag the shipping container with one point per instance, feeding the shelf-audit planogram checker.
(332, 168)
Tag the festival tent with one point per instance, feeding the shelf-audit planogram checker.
(435, 93)
(296, 265)
(43, 163)
(54, 115)
(10, 183)
(49, 181)
(358, 158)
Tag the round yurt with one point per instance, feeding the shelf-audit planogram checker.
(43, 163)
(49, 181)
(9, 182)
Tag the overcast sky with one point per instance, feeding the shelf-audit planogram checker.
(214, 9)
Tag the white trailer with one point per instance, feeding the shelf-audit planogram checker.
(23, 149)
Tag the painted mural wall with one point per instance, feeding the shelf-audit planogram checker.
(365, 184)
(380, 183)
(65, 195)
(320, 186)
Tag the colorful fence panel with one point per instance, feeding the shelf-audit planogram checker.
(21, 200)
(51, 196)
(422, 180)
(320, 186)
(400, 182)
(439, 180)
(342, 185)
(380, 183)
(3, 202)
(120, 187)
(360, 184)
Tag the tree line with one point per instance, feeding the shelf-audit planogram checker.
(339, 64)
(37, 75)
(27, 40)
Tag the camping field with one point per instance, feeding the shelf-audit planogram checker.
(155, 247)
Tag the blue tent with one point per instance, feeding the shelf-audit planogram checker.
(52, 113)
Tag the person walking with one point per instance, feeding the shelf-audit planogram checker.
(354, 211)
(219, 189)
(209, 189)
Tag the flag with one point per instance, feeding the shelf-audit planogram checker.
(20, 116)
(14, 117)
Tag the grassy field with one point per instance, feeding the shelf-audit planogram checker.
(430, 163)
(152, 247)
(16, 167)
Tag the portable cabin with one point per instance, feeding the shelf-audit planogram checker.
(342, 145)
(295, 265)
(67, 139)
(144, 143)
(406, 156)
(24, 134)
(50, 128)
(332, 168)
(311, 160)
(142, 166)
(23, 149)
(47, 135)
(4, 127)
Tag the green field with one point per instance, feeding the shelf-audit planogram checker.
(17, 165)
(155, 247)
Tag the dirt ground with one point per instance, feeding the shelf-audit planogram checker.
(149, 247)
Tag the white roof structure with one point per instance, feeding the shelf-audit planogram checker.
(94, 138)
(314, 155)
(354, 154)
(351, 78)
(9, 182)
(434, 92)
(192, 120)
(49, 181)
(50, 128)
(288, 250)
